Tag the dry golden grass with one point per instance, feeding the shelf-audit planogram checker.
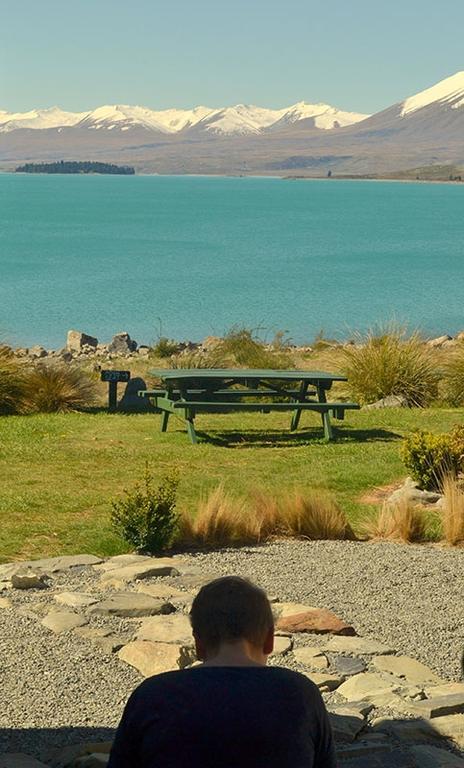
(12, 381)
(398, 522)
(452, 515)
(226, 521)
(314, 515)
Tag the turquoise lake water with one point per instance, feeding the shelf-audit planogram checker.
(104, 254)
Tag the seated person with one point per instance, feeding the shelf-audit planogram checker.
(232, 711)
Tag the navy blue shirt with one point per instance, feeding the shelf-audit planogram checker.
(225, 717)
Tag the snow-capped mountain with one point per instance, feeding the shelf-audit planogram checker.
(240, 119)
(447, 93)
(54, 117)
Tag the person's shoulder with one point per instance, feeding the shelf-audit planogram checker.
(158, 685)
(292, 678)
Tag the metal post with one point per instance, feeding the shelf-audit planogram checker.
(112, 396)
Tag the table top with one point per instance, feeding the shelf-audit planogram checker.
(240, 374)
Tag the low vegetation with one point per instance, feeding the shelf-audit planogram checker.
(452, 514)
(391, 362)
(58, 388)
(12, 381)
(430, 457)
(401, 521)
(453, 377)
(146, 518)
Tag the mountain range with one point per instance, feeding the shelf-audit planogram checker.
(303, 139)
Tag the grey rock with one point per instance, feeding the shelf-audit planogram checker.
(311, 657)
(391, 401)
(346, 724)
(438, 706)
(75, 599)
(29, 580)
(155, 566)
(154, 658)
(76, 340)
(63, 621)
(365, 686)
(49, 565)
(37, 352)
(122, 344)
(348, 666)
(427, 756)
(282, 645)
(413, 671)
(440, 341)
(410, 491)
(131, 604)
(356, 645)
(19, 760)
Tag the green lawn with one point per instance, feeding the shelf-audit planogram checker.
(58, 473)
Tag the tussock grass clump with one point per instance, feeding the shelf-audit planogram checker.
(225, 521)
(12, 382)
(398, 522)
(240, 348)
(389, 362)
(58, 388)
(452, 513)
(453, 378)
(314, 515)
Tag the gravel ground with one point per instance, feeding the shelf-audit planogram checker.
(57, 689)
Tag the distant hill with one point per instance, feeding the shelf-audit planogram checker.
(423, 130)
(70, 166)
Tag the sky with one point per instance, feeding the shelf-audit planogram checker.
(361, 55)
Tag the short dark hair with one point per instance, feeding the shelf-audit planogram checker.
(229, 609)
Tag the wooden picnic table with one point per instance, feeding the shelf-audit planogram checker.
(187, 391)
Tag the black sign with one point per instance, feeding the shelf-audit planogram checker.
(115, 376)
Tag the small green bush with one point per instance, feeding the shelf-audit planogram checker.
(430, 458)
(146, 518)
(12, 382)
(165, 347)
(58, 388)
(389, 362)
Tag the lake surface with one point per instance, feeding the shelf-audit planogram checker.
(193, 256)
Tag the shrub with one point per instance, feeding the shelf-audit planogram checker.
(391, 363)
(165, 347)
(452, 513)
(12, 382)
(398, 522)
(429, 458)
(58, 387)
(146, 518)
(453, 378)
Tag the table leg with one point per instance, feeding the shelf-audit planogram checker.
(189, 418)
(297, 412)
(164, 421)
(328, 431)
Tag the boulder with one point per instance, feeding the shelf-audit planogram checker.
(356, 645)
(143, 350)
(391, 401)
(76, 340)
(440, 705)
(131, 604)
(439, 341)
(37, 352)
(63, 621)
(154, 658)
(315, 620)
(410, 491)
(167, 629)
(120, 561)
(122, 344)
(29, 580)
(403, 666)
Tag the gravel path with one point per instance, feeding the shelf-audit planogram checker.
(410, 597)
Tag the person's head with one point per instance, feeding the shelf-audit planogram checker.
(229, 611)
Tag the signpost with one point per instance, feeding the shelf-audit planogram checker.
(113, 378)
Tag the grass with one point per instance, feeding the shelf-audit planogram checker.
(452, 516)
(59, 472)
(399, 522)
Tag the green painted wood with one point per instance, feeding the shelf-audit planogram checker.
(211, 407)
(240, 374)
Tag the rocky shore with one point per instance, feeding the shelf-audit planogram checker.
(377, 627)
(80, 345)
